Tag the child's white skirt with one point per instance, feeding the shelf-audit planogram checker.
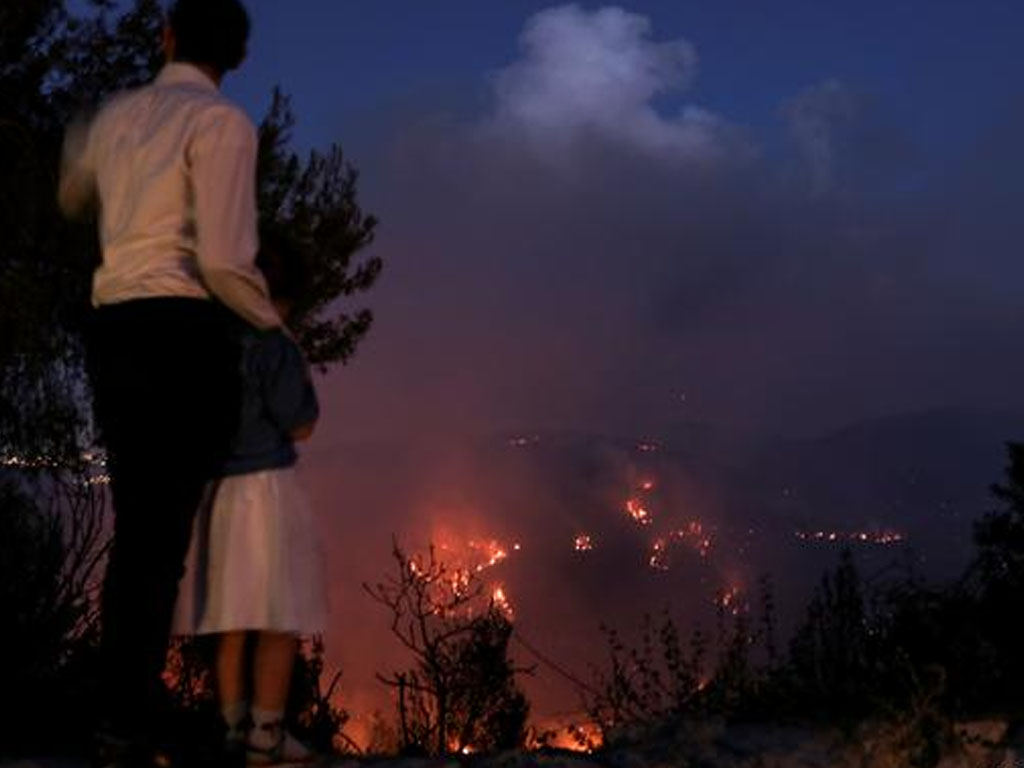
(255, 561)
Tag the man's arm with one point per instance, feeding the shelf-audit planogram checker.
(223, 168)
(76, 192)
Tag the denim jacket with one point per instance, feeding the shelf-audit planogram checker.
(277, 397)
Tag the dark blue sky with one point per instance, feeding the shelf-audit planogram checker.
(942, 67)
(795, 213)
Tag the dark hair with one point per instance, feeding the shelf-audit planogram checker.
(211, 32)
(285, 266)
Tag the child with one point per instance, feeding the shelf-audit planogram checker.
(255, 564)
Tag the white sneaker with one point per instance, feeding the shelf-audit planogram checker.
(273, 745)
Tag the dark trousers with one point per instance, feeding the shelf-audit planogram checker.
(166, 386)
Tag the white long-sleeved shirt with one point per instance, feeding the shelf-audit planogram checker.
(173, 167)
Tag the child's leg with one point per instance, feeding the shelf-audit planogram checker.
(231, 682)
(272, 674)
(272, 670)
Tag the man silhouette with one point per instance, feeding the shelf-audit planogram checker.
(171, 167)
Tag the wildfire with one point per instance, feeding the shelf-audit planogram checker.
(659, 555)
(636, 509)
(460, 580)
(474, 555)
(461, 570)
(728, 600)
(694, 535)
(562, 733)
(492, 551)
(500, 600)
(583, 543)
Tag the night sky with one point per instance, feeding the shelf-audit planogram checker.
(774, 217)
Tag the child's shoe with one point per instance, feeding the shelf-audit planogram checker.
(271, 744)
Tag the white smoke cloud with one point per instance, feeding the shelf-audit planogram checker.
(597, 74)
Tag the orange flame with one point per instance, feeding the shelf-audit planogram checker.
(639, 513)
(500, 600)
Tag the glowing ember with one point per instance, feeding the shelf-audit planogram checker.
(583, 543)
(462, 568)
(474, 555)
(694, 536)
(492, 551)
(500, 600)
(647, 485)
(460, 581)
(563, 733)
(728, 600)
(639, 513)
(647, 447)
(659, 555)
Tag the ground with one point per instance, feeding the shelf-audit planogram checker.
(711, 744)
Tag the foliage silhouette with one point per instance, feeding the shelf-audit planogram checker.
(913, 654)
(49, 571)
(461, 692)
(311, 712)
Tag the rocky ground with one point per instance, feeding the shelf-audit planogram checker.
(710, 744)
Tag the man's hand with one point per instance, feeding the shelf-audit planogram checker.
(303, 432)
